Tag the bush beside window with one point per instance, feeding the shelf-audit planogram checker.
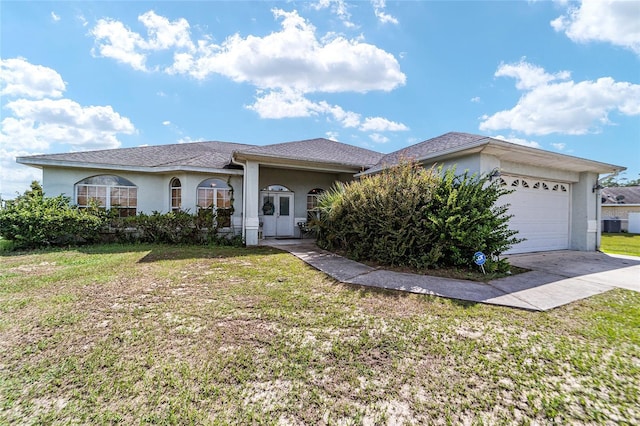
(33, 220)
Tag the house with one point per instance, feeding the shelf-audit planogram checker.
(269, 189)
(618, 202)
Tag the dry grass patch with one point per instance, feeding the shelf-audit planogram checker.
(174, 335)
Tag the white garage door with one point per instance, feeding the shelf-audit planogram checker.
(541, 213)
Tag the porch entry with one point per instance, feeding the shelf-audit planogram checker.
(276, 212)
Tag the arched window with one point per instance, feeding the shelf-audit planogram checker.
(108, 191)
(176, 194)
(215, 194)
(276, 188)
(312, 203)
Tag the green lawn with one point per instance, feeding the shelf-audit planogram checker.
(622, 243)
(175, 335)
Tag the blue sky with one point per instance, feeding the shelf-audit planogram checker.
(561, 76)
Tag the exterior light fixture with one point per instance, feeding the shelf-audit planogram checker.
(494, 174)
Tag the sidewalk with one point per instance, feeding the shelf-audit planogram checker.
(545, 287)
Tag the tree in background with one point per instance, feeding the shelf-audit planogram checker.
(616, 181)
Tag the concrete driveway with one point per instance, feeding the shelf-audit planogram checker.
(560, 277)
(555, 278)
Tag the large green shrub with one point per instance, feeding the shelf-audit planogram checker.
(411, 216)
(33, 220)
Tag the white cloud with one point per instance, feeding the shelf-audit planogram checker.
(338, 7)
(285, 65)
(332, 135)
(378, 138)
(187, 139)
(529, 76)
(39, 123)
(519, 141)
(115, 41)
(295, 58)
(616, 22)
(475, 99)
(379, 124)
(163, 34)
(292, 104)
(292, 58)
(41, 117)
(166, 123)
(554, 104)
(379, 10)
(83, 21)
(55, 17)
(559, 146)
(286, 104)
(20, 78)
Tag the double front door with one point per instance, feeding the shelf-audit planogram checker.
(276, 210)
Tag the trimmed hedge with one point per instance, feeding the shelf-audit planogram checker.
(171, 228)
(422, 218)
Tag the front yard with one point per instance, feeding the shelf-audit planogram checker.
(166, 334)
(622, 243)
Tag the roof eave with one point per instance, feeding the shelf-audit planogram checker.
(40, 163)
(296, 163)
(502, 149)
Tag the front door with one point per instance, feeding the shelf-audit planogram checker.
(277, 214)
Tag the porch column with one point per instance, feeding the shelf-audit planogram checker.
(584, 205)
(251, 195)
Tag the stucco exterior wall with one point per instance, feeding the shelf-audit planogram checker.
(470, 163)
(520, 169)
(153, 189)
(584, 213)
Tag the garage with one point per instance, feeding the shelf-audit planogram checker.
(541, 210)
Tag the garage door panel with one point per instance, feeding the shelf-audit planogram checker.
(540, 212)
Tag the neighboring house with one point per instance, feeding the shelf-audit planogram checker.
(618, 202)
(273, 187)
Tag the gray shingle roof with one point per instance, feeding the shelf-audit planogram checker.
(444, 143)
(216, 155)
(630, 194)
(320, 150)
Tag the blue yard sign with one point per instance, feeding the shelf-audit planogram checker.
(480, 259)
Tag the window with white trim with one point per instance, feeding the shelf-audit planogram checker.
(176, 194)
(215, 194)
(108, 191)
(313, 212)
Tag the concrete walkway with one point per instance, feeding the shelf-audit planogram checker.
(556, 278)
